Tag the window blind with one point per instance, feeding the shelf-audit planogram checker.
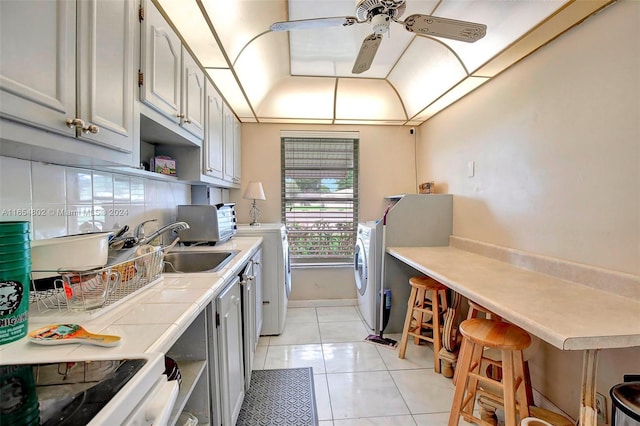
(320, 197)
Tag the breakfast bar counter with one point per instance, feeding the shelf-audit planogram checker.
(565, 314)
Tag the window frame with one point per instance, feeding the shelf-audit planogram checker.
(336, 233)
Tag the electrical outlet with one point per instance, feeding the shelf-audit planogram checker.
(601, 408)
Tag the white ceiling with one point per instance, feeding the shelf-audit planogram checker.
(304, 76)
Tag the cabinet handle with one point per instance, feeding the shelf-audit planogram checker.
(180, 115)
(74, 122)
(91, 128)
(209, 169)
(186, 120)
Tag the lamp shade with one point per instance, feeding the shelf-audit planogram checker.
(254, 191)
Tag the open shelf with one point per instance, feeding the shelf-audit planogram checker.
(191, 372)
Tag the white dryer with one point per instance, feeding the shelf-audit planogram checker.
(367, 266)
(276, 274)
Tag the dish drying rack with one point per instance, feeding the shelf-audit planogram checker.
(129, 277)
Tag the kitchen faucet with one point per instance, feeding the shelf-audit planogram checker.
(175, 226)
(138, 231)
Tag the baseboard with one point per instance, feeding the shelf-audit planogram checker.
(322, 303)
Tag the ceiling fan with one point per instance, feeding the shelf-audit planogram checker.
(379, 13)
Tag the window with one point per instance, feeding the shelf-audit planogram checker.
(320, 195)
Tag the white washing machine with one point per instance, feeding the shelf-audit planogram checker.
(367, 265)
(276, 274)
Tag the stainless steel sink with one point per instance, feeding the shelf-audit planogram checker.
(197, 261)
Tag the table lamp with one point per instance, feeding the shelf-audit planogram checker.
(254, 192)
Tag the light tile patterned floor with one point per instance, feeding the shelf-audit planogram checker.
(358, 383)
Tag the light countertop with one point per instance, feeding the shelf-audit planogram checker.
(568, 315)
(150, 321)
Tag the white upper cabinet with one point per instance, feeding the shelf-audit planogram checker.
(228, 144)
(105, 81)
(213, 149)
(161, 65)
(193, 92)
(237, 151)
(68, 67)
(42, 95)
(232, 155)
(172, 82)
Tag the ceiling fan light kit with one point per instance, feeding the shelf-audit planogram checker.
(379, 13)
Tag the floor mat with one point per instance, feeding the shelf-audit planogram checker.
(280, 397)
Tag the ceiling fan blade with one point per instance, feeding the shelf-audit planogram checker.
(367, 52)
(304, 24)
(444, 27)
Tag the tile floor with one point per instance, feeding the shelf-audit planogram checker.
(358, 383)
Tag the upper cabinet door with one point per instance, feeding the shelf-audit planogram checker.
(237, 150)
(107, 73)
(213, 133)
(161, 64)
(229, 142)
(37, 63)
(193, 83)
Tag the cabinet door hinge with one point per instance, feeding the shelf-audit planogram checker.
(140, 78)
(217, 319)
(141, 14)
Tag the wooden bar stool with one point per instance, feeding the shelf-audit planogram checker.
(474, 310)
(425, 309)
(510, 340)
(492, 357)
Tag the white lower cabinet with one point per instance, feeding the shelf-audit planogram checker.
(257, 273)
(251, 281)
(247, 281)
(230, 351)
(217, 349)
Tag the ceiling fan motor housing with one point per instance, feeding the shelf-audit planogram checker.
(380, 23)
(368, 9)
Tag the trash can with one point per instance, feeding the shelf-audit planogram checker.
(15, 280)
(626, 404)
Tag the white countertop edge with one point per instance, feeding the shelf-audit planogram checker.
(23, 351)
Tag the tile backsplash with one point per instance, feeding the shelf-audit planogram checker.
(60, 200)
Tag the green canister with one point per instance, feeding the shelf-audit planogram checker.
(19, 404)
(15, 280)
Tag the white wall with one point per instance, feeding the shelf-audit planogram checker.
(62, 200)
(386, 168)
(556, 145)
